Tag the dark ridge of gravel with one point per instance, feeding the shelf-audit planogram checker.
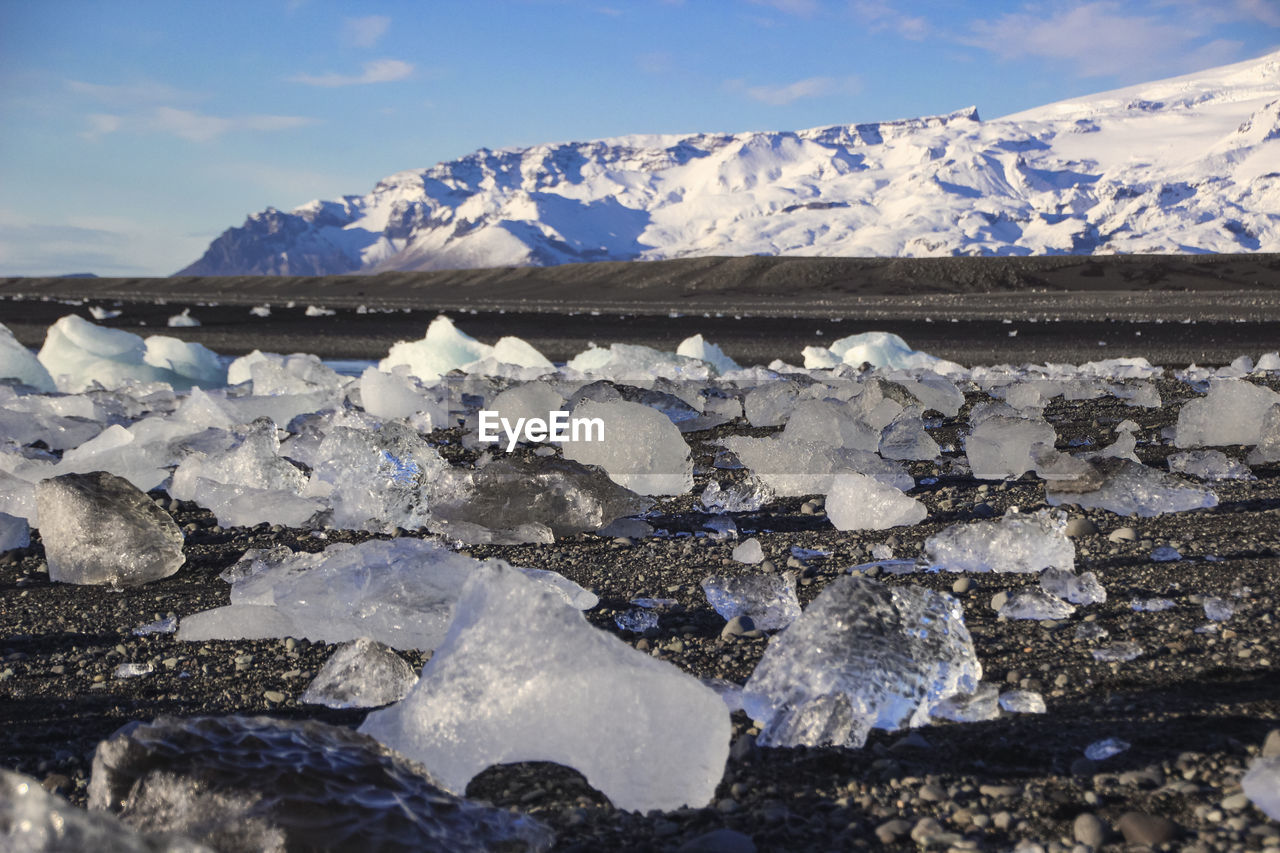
(1195, 707)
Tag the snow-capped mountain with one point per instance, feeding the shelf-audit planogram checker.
(1189, 164)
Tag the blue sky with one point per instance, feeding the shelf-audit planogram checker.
(136, 132)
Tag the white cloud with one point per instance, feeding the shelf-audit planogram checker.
(188, 124)
(365, 32)
(100, 124)
(378, 71)
(1213, 12)
(131, 94)
(880, 15)
(1097, 38)
(810, 87)
(799, 8)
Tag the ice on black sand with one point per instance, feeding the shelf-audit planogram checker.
(98, 528)
(361, 674)
(522, 676)
(1015, 543)
(250, 784)
(863, 655)
(641, 449)
(400, 592)
(768, 599)
(861, 502)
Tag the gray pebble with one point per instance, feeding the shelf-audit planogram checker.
(1078, 527)
(1123, 534)
(1141, 828)
(1089, 829)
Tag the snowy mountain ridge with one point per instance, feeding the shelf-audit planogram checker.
(1184, 165)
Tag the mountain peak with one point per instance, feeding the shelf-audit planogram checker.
(1178, 165)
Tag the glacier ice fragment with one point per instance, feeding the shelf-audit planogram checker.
(1015, 543)
(861, 502)
(1022, 702)
(1067, 585)
(14, 533)
(1035, 603)
(98, 528)
(1208, 465)
(976, 707)
(1261, 784)
(1129, 487)
(523, 677)
(1231, 413)
(360, 674)
(1101, 750)
(863, 655)
(749, 551)
(641, 449)
(769, 599)
(255, 783)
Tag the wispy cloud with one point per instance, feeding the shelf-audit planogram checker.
(378, 71)
(189, 124)
(799, 8)
(881, 15)
(100, 124)
(787, 93)
(1099, 39)
(132, 94)
(366, 31)
(1266, 12)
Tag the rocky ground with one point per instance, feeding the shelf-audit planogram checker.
(1199, 703)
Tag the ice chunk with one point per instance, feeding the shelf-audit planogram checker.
(696, 347)
(859, 502)
(885, 349)
(520, 353)
(1218, 609)
(637, 620)
(14, 533)
(523, 677)
(934, 392)
(443, 349)
(400, 592)
(18, 362)
(375, 480)
(1101, 750)
(35, 821)
(1078, 589)
(770, 404)
(906, 438)
(507, 496)
(1022, 702)
(749, 551)
(1268, 449)
(769, 599)
(133, 670)
(167, 625)
(253, 462)
(976, 707)
(831, 424)
(77, 353)
(119, 451)
(195, 365)
(1129, 487)
(527, 400)
(361, 674)
(1015, 543)
(254, 783)
(637, 364)
(641, 449)
(1165, 554)
(1118, 652)
(390, 395)
(747, 496)
(98, 528)
(1231, 413)
(1035, 603)
(183, 319)
(1151, 605)
(1262, 785)
(1208, 465)
(862, 655)
(806, 468)
(318, 311)
(1000, 447)
(260, 311)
